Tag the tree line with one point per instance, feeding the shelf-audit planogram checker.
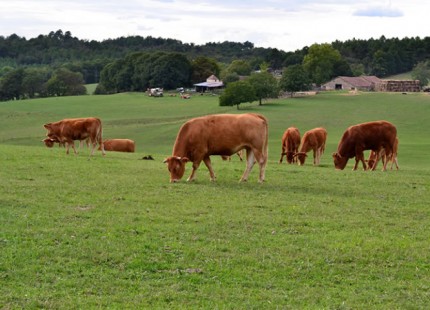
(59, 64)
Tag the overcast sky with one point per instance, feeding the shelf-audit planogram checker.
(284, 24)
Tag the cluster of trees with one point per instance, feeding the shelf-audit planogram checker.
(40, 82)
(35, 67)
(263, 85)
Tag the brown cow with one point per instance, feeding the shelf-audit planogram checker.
(70, 129)
(221, 134)
(366, 136)
(290, 144)
(119, 145)
(371, 162)
(314, 140)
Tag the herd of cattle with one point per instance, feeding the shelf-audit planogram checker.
(228, 134)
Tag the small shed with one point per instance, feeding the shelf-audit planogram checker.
(211, 83)
(365, 82)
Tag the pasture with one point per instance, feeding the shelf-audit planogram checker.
(112, 232)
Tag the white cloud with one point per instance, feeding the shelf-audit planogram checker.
(282, 24)
(379, 11)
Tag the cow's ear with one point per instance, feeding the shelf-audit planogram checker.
(47, 125)
(166, 160)
(334, 155)
(185, 159)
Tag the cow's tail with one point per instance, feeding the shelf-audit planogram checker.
(100, 138)
(266, 137)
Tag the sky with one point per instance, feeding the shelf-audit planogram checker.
(287, 25)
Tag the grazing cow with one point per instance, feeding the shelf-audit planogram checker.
(314, 140)
(366, 136)
(70, 129)
(371, 162)
(119, 145)
(290, 144)
(221, 134)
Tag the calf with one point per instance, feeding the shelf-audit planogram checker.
(290, 144)
(314, 140)
(373, 156)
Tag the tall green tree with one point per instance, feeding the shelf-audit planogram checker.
(11, 85)
(240, 66)
(66, 83)
(320, 62)
(202, 68)
(34, 82)
(421, 72)
(294, 79)
(265, 85)
(171, 71)
(236, 93)
(380, 64)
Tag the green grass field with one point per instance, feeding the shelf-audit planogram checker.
(112, 232)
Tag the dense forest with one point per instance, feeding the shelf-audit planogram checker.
(41, 66)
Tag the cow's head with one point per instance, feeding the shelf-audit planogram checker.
(290, 157)
(176, 166)
(301, 157)
(49, 142)
(370, 163)
(339, 161)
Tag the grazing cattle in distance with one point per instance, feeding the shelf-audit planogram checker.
(119, 145)
(290, 144)
(70, 129)
(314, 140)
(219, 134)
(366, 136)
(371, 161)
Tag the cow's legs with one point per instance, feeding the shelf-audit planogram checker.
(208, 164)
(250, 160)
(94, 145)
(262, 161)
(196, 165)
(68, 144)
(283, 152)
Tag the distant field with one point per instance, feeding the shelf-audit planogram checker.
(112, 232)
(402, 76)
(91, 88)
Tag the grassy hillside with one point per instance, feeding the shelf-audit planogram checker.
(112, 232)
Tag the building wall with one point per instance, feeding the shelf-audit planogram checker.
(338, 81)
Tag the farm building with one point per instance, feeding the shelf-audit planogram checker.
(211, 83)
(365, 83)
(398, 86)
